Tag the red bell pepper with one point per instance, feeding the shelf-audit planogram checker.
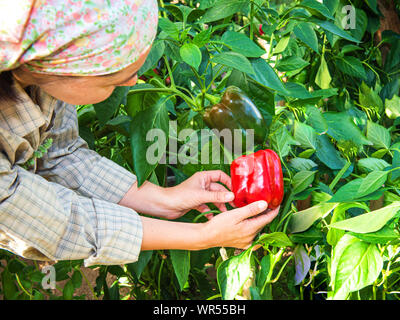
(257, 176)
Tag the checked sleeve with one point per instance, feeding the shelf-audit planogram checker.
(43, 220)
(71, 163)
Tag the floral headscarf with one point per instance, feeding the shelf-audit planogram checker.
(75, 37)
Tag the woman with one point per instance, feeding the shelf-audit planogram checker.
(72, 203)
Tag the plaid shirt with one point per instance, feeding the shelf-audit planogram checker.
(65, 206)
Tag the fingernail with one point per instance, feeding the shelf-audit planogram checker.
(229, 196)
(262, 205)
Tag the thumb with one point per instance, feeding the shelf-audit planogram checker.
(216, 196)
(252, 209)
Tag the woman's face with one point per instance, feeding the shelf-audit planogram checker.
(82, 89)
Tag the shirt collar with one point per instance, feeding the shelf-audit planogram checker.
(24, 115)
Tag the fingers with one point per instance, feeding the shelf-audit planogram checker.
(219, 196)
(256, 223)
(220, 188)
(263, 219)
(251, 210)
(219, 176)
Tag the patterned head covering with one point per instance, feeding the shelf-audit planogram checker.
(75, 37)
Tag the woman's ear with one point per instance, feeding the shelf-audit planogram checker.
(23, 76)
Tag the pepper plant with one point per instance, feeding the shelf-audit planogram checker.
(328, 96)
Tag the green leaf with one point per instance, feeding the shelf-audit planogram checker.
(224, 8)
(107, 108)
(372, 182)
(396, 162)
(370, 221)
(323, 78)
(302, 181)
(302, 164)
(181, 263)
(291, 63)
(9, 287)
(140, 101)
(348, 193)
(351, 66)
(373, 4)
(169, 28)
(234, 60)
(339, 213)
(15, 266)
(233, 273)
(349, 48)
(392, 107)
(68, 291)
(281, 140)
(378, 135)
(310, 236)
(302, 263)
(372, 164)
(282, 45)
(266, 76)
(241, 43)
(191, 54)
(331, 27)
(205, 4)
(383, 236)
(316, 8)
(203, 37)
(305, 135)
(327, 153)
(265, 271)
(137, 267)
(302, 220)
(342, 127)
(305, 32)
(155, 54)
(275, 239)
(355, 265)
(145, 152)
(369, 98)
(76, 279)
(316, 119)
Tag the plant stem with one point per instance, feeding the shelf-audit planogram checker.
(285, 210)
(88, 283)
(203, 214)
(23, 288)
(169, 72)
(339, 175)
(171, 90)
(252, 20)
(159, 280)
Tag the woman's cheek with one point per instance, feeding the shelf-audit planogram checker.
(93, 95)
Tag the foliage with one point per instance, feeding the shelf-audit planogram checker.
(331, 100)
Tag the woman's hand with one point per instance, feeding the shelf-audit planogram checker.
(201, 188)
(172, 203)
(235, 228)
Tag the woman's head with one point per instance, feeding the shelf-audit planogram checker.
(70, 46)
(81, 89)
